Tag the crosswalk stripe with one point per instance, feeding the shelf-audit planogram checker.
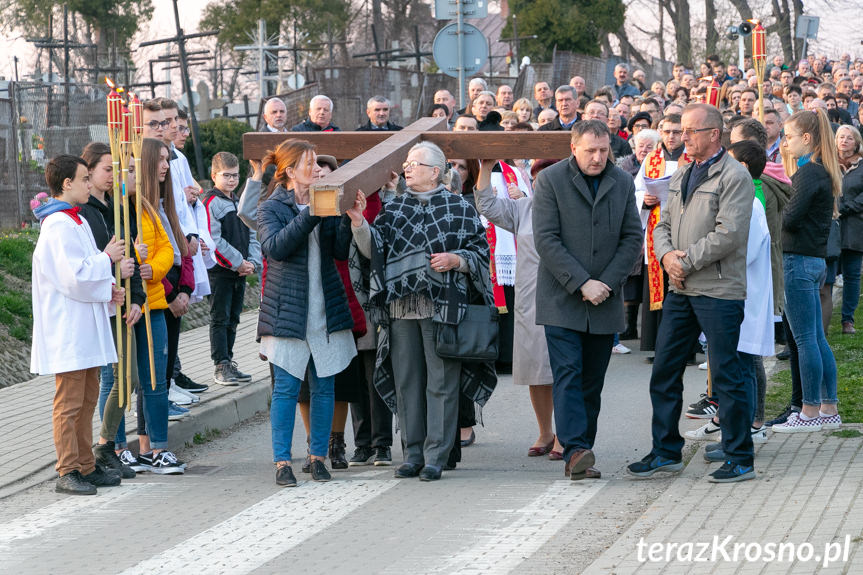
(265, 530)
(38, 522)
(500, 552)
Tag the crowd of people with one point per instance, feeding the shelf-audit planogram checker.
(694, 222)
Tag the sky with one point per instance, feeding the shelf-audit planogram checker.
(835, 35)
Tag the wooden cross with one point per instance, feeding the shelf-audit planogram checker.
(375, 154)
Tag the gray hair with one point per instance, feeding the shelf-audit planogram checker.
(436, 159)
(479, 81)
(622, 65)
(565, 88)
(377, 100)
(646, 134)
(487, 93)
(321, 97)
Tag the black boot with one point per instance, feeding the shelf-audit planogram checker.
(631, 322)
(337, 451)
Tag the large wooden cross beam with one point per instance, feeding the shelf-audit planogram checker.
(375, 154)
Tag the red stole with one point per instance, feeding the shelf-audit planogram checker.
(491, 235)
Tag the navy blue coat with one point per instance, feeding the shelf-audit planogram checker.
(283, 231)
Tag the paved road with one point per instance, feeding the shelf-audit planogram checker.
(500, 512)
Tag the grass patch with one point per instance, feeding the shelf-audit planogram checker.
(16, 252)
(206, 437)
(848, 350)
(845, 433)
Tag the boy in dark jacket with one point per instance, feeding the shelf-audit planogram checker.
(237, 254)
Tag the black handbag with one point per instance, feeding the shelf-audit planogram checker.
(475, 339)
(834, 241)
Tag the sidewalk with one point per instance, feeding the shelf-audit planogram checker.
(27, 455)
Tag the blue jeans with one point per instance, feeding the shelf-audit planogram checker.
(155, 423)
(579, 361)
(803, 275)
(683, 317)
(850, 262)
(283, 411)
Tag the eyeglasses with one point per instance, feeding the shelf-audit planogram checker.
(154, 125)
(229, 175)
(183, 129)
(414, 164)
(692, 131)
(674, 132)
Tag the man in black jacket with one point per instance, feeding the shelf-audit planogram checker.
(320, 116)
(598, 110)
(378, 111)
(583, 267)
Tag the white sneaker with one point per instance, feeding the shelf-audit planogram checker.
(759, 435)
(707, 431)
(178, 397)
(702, 366)
(187, 393)
(621, 349)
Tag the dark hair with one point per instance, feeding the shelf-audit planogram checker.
(168, 104)
(61, 168)
(594, 127)
(443, 107)
(753, 130)
(153, 105)
(182, 114)
(93, 153)
(751, 154)
(794, 88)
(522, 127)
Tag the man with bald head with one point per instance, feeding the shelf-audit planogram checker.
(275, 115)
(504, 97)
(446, 98)
(320, 116)
(579, 85)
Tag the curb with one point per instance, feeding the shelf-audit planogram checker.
(217, 413)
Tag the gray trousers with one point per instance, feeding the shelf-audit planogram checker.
(426, 392)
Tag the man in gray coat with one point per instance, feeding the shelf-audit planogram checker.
(588, 236)
(701, 242)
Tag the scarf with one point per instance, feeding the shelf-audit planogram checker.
(654, 167)
(403, 235)
(502, 245)
(42, 211)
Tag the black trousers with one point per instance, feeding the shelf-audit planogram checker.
(371, 418)
(226, 305)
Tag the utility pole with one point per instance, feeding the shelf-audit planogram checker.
(180, 39)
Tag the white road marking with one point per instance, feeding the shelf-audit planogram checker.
(72, 508)
(265, 530)
(501, 551)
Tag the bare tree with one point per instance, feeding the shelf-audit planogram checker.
(678, 11)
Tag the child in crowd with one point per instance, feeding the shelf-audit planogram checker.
(72, 286)
(238, 254)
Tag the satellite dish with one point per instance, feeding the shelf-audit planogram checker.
(184, 100)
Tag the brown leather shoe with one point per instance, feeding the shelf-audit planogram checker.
(848, 328)
(578, 463)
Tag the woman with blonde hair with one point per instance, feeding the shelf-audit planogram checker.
(524, 110)
(816, 184)
(850, 146)
(304, 324)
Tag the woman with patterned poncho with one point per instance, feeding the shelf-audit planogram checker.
(429, 260)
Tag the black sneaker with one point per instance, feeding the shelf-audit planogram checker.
(105, 455)
(651, 464)
(163, 463)
(700, 399)
(319, 471)
(244, 377)
(337, 451)
(186, 383)
(362, 456)
(285, 476)
(784, 355)
(127, 458)
(224, 374)
(73, 484)
(383, 457)
(101, 477)
(782, 417)
(732, 472)
(704, 409)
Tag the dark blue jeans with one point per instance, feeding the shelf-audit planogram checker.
(683, 317)
(579, 361)
(850, 262)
